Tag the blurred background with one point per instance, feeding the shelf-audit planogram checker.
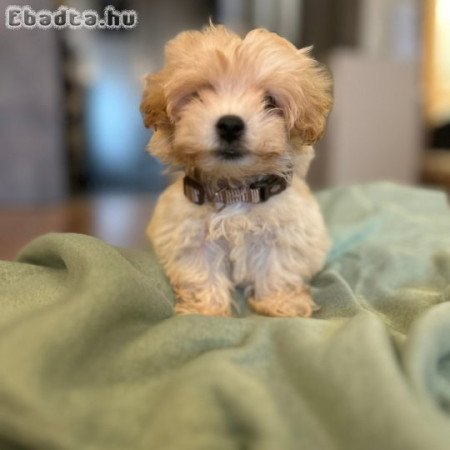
(72, 142)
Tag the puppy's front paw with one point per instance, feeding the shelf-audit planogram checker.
(204, 303)
(288, 304)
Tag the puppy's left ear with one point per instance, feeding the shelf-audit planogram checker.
(314, 98)
(153, 105)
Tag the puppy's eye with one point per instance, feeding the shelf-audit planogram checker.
(192, 96)
(270, 102)
(184, 101)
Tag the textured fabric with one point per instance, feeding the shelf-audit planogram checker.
(91, 356)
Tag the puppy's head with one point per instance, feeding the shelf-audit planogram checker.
(235, 107)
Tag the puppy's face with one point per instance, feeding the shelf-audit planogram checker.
(235, 107)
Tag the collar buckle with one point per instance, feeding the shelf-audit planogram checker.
(194, 191)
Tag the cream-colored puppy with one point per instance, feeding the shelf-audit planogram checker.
(238, 116)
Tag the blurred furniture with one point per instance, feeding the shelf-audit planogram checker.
(375, 130)
(436, 168)
(32, 160)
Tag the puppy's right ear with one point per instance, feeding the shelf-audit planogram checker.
(153, 105)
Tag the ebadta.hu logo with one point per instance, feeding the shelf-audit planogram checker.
(17, 17)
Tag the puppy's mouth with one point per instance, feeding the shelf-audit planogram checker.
(230, 153)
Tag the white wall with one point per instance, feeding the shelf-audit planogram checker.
(374, 130)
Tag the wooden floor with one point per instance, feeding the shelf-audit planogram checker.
(117, 219)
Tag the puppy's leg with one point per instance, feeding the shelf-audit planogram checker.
(279, 287)
(201, 283)
(195, 264)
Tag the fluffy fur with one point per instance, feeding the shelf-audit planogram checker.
(271, 249)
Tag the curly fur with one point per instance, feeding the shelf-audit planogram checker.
(270, 249)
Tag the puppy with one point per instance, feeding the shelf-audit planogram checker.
(238, 116)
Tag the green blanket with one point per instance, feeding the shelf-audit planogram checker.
(92, 357)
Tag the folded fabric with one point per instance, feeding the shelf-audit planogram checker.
(92, 356)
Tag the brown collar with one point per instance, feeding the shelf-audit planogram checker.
(257, 192)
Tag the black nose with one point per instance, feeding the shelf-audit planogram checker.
(230, 128)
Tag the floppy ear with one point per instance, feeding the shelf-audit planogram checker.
(314, 98)
(153, 105)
